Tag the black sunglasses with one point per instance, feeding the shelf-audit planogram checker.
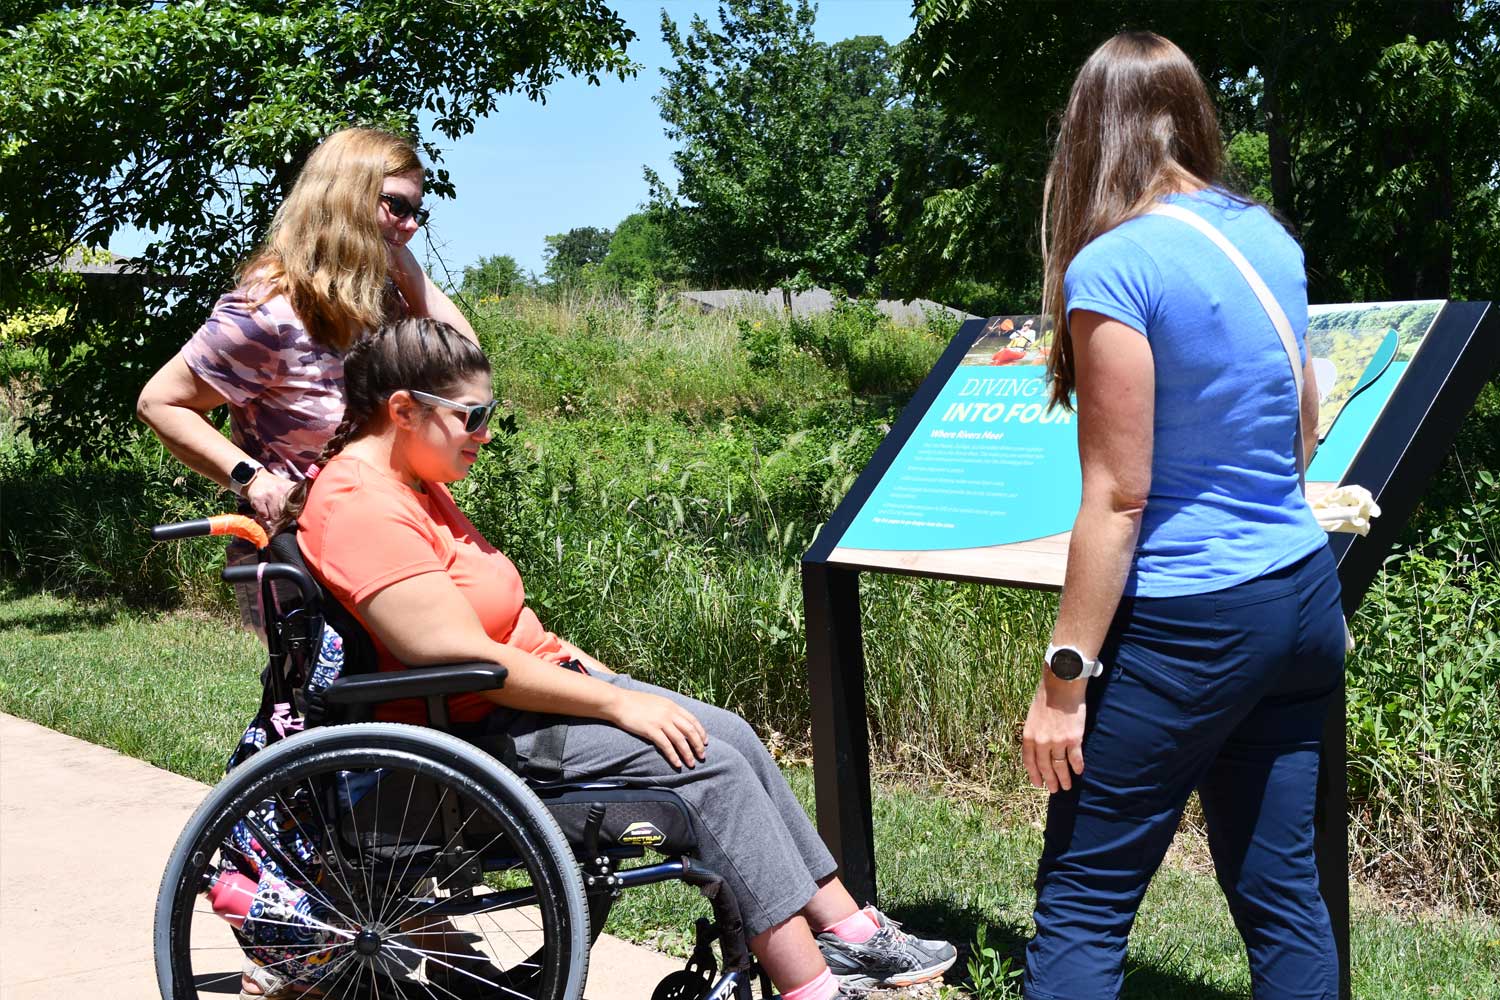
(402, 209)
(476, 415)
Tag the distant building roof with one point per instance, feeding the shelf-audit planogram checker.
(109, 268)
(813, 302)
(97, 262)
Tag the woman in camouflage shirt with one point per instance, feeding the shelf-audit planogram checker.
(334, 266)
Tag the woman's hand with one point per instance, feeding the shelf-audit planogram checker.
(408, 275)
(423, 298)
(267, 494)
(672, 729)
(1052, 742)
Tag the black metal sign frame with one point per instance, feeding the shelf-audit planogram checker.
(1402, 452)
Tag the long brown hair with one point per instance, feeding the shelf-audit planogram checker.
(417, 352)
(324, 250)
(1139, 122)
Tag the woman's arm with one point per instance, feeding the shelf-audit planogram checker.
(425, 619)
(1309, 404)
(175, 404)
(423, 296)
(1116, 385)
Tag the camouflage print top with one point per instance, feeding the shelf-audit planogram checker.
(285, 391)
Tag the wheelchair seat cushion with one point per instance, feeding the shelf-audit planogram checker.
(634, 818)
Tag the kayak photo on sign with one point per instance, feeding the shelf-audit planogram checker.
(1010, 340)
(982, 481)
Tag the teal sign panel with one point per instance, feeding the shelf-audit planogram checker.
(988, 465)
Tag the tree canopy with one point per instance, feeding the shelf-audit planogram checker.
(784, 148)
(567, 254)
(639, 252)
(497, 276)
(1369, 124)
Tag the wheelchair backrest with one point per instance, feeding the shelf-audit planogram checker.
(359, 648)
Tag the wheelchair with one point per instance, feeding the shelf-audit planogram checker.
(336, 854)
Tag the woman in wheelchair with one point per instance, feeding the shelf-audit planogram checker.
(380, 530)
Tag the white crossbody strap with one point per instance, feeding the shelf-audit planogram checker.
(1267, 300)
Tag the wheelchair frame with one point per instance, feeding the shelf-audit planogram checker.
(293, 637)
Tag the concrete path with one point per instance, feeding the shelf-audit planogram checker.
(84, 836)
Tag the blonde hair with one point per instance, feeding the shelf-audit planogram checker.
(1139, 122)
(324, 250)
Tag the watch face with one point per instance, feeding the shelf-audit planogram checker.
(242, 473)
(1066, 664)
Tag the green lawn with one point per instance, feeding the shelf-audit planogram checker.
(175, 689)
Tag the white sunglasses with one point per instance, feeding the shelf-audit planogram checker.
(476, 415)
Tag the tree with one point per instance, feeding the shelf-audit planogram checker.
(499, 276)
(639, 252)
(191, 119)
(568, 253)
(1369, 123)
(782, 146)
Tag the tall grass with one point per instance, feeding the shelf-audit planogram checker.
(81, 527)
(667, 471)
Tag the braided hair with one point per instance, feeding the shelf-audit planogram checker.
(417, 352)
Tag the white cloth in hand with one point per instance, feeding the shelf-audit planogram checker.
(1348, 509)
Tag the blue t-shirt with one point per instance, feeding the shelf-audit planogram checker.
(1225, 505)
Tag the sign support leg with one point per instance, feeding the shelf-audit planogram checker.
(1331, 830)
(840, 725)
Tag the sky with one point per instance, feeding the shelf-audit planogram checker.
(531, 169)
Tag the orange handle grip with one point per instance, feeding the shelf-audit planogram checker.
(241, 527)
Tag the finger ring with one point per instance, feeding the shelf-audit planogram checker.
(1059, 758)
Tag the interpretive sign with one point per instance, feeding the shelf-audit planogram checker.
(985, 484)
(978, 480)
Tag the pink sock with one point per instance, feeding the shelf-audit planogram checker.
(824, 987)
(857, 928)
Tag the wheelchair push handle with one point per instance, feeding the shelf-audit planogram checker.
(312, 597)
(250, 530)
(220, 524)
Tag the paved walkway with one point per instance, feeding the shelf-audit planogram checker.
(84, 836)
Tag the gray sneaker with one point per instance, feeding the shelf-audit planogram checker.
(891, 958)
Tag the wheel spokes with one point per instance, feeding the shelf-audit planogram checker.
(328, 890)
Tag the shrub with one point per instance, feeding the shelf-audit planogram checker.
(83, 526)
(762, 342)
(1424, 726)
(876, 357)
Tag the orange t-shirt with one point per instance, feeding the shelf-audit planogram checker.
(362, 531)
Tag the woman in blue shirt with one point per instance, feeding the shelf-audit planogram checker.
(1200, 597)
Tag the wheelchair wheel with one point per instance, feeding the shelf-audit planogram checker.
(373, 861)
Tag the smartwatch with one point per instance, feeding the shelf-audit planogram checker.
(241, 474)
(1068, 664)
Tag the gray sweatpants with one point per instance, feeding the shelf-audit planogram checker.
(753, 831)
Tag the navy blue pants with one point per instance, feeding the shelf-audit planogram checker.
(1224, 692)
